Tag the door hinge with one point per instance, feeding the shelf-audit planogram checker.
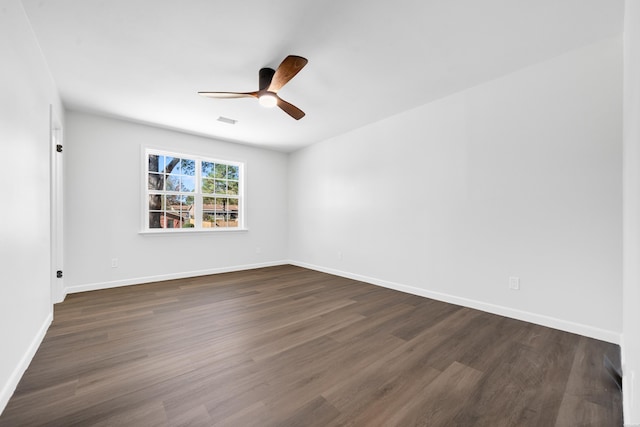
(59, 148)
(59, 274)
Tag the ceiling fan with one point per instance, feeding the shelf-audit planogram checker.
(269, 83)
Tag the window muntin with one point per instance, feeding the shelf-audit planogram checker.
(186, 191)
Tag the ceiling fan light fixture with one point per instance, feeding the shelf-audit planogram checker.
(268, 100)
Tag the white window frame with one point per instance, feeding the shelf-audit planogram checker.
(197, 194)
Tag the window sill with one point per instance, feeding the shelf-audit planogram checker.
(165, 231)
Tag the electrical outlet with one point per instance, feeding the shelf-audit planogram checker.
(258, 250)
(340, 255)
(514, 283)
(114, 263)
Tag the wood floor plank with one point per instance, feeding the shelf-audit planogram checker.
(318, 413)
(194, 416)
(287, 346)
(412, 356)
(440, 400)
(579, 412)
(147, 414)
(522, 387)
(584, 386)
(384, 403)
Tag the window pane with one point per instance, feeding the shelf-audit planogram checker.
(155, 163)
(169, 222)
(208, 186)
(188, 167)
(188, 184)
(232, 187)
(233, 220)
(207, 169)
(233, 172)
(208, 220)
(155, 181)
(172, 183)
(221, 220)
(187, 202)
(221, 186)
(173, 203)
(155, 202)
(232, 205)
(221, 204)
(187, 211)
(173, 220)
(221, 170)
(208, 203)
(155, 219)
(171, 165)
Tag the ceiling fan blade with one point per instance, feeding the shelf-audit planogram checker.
(228, 95)
(286, 71)
(290, 109)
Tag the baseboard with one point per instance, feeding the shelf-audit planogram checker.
(14, 379)
(172, 276)
(60, 298)
(551, 322)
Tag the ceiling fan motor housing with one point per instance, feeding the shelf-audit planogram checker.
(265, 77)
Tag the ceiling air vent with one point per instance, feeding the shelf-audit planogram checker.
(227, 120)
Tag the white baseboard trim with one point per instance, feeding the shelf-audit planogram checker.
(539, 319)
(14, 379)
(182, 275)
(60, 298)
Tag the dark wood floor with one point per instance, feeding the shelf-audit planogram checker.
(285, 346)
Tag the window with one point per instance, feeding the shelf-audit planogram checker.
(190, 192)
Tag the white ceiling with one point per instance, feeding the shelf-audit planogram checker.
(145, 60)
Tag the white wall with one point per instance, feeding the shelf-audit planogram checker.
(631, 212)
(103, 190)
(520, 176)
(26, 91)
